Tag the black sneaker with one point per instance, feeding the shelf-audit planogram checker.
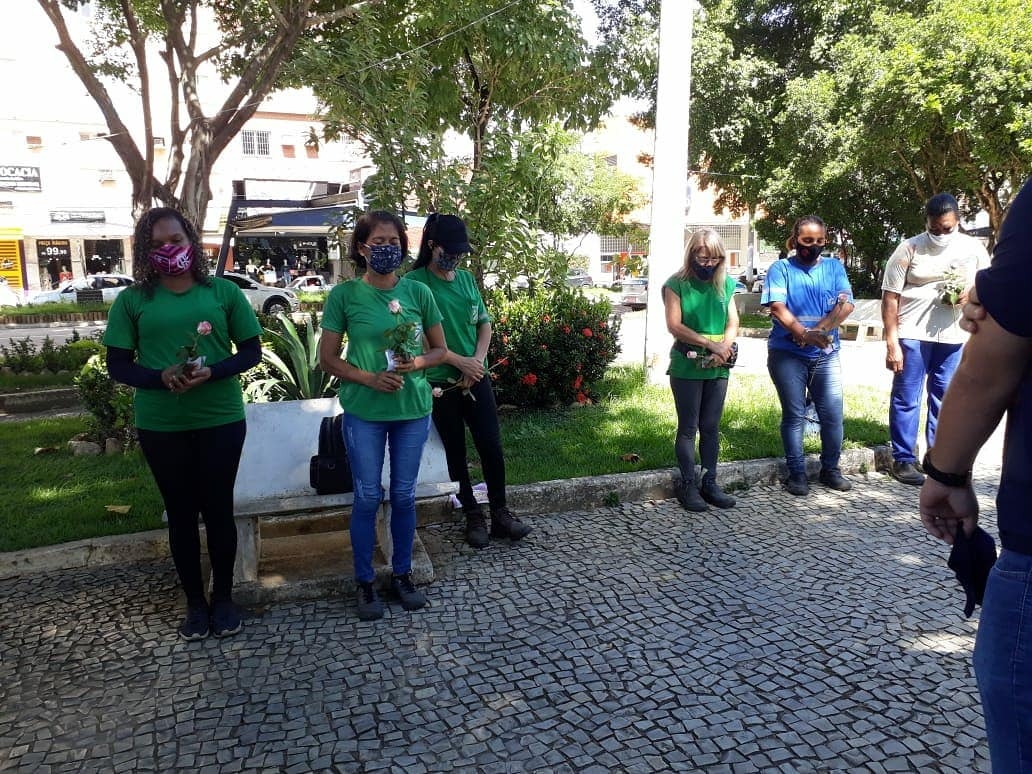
(796, 484)
(476, 528)
(907, 473)
(405, 590)
(195, 623)
(689, 497)
(370, 606)
(505, 525)
(716, 496)
(225, 617)
(833, 479)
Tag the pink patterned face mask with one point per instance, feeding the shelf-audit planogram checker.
(172, 260)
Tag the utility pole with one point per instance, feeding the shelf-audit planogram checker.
(669, 173)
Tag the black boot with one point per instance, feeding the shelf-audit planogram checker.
(689, 497)
(505, 525)
(476, 528)
(716, 496)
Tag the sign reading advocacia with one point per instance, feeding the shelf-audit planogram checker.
(14, 177)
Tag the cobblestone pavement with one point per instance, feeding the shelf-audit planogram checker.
(788, 634)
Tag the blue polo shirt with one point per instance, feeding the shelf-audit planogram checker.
(809, 292)
(1005, 289)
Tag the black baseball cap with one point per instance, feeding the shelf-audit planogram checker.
(449, 232)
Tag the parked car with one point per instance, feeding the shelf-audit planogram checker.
(110, 286)
(267, 300)
(8, 296)
(310, 283)
(634, 292)
(740, 287)
(578, 278)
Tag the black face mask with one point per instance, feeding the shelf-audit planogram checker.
(808, 253)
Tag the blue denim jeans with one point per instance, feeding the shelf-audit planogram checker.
(1003, 662)
(925, 364)
(367, 442)
(793, 376)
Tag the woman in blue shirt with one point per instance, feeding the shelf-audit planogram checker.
(808, 296)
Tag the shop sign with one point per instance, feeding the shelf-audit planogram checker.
(77, 216)
(18, 178)
(51, 249)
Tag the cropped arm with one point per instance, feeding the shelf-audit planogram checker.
(248, 353)
(122, 367)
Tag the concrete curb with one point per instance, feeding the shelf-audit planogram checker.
(39, 400)
(570, 495)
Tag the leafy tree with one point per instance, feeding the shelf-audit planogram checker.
(246, 44)
(856, 111)
(496, 73)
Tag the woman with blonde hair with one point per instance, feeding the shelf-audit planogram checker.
(702, 318)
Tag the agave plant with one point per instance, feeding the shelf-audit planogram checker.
(291, 365)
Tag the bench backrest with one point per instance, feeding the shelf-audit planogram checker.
(283, 436)
(866, 310)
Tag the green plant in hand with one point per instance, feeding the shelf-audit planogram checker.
(290, 365)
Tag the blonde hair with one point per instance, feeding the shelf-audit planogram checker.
(709, 240)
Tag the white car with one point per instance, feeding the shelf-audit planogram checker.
(310, 283)
(109, 285)
(8, 295)
(634, 292)
(264, 299)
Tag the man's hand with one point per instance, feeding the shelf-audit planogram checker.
(943, 508)
(894, 357)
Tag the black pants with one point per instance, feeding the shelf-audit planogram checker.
(453, 411)
(699, 404)
(195, 471)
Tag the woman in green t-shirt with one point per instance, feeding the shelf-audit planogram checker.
(462, 385)
(702, 318)
(384, 393)
(171, 336)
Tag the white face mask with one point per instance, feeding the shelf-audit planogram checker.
(941, 240)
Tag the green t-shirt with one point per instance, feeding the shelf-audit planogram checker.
(705, 312)
(157, 328)
(464, 312)
(364, 313)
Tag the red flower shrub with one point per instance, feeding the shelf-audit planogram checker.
(564, 367)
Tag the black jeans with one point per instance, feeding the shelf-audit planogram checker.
(699, 404)
(453, 411)
(195, 471)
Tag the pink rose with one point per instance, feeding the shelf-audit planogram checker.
(203, 328)
(437, 392)
(394, 306)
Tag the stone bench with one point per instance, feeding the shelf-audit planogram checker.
(865, 318)
(273, 479)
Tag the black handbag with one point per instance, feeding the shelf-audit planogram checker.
(329, 471)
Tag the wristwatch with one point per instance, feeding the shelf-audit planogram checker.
(946, 479)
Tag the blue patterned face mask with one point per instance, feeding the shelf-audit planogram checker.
(446, 262)
(383, 259)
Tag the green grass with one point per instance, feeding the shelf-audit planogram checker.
(55, 497)
(637, 418)
(754, 321)
(39, 310)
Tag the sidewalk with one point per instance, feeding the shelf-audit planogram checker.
(817, 634)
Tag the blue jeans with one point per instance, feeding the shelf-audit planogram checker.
(793, 376)
(1003, 662)
(366, 442)
(925, 364)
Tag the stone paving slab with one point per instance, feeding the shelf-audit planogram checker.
(788, 634)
